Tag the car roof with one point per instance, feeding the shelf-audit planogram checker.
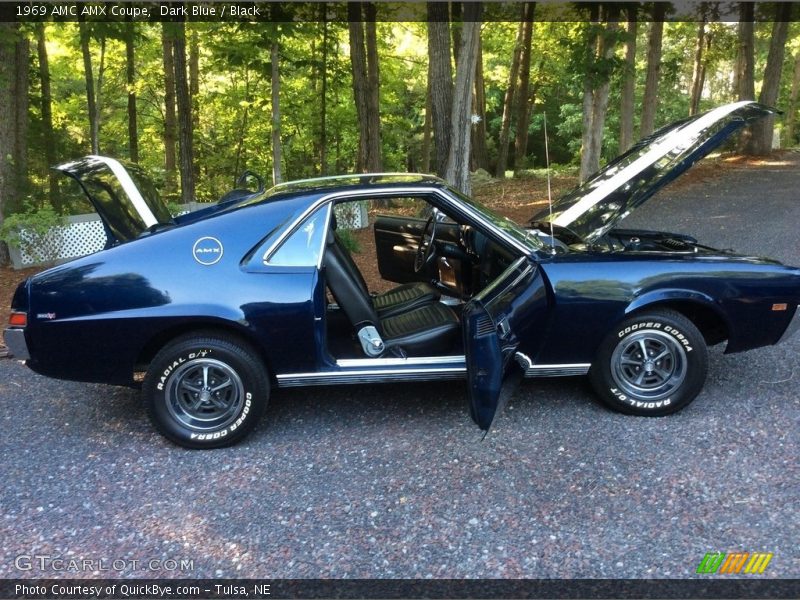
(363, 181)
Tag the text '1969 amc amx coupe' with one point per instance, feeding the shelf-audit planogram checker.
(215, 307)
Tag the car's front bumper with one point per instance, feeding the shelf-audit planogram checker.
(794, 326)
(15, 340)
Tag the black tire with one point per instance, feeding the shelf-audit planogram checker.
(665, 380)
(206, 391)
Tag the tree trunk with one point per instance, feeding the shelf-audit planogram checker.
(194, 79)
(457, 169)
(523, 93)
(508, 104)
(629, 81)
(697, 72)
(455, 28)
(170, 118)
(14, 52)
(761, 132)
(323, 104)
(98, 90)
(791, 113)
(596, 91)
(440, 81)
(358, 61)
(745, 78)
(650, 101)
(50, 152)
(277, 177)
(427, 126)
(374, 158)
(185, 134)
(480, 155)
(592, 43)
(90, 93)
(130, 73)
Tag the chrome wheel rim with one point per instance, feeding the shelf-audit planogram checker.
(649, 365)
(204, 394)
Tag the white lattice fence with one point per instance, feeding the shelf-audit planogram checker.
(82, 235)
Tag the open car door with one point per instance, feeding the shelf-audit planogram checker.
(493, 322)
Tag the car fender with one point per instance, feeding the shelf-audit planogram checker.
(665, 296)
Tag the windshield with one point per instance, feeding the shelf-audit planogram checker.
(504, 223)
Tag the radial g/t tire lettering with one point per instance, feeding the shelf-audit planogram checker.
(206, 391)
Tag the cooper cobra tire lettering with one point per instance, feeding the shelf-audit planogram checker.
(652, 364)
(206, 390)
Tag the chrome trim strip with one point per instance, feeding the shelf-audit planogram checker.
(684, 136)
(130, 188)
(369, 376)
(561, 370)
(356, 363)
(15, 340)
(793, 327)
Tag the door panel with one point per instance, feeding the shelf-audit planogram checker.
(396, 242)
(510, 309)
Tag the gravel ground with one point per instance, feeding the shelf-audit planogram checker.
(395, 481)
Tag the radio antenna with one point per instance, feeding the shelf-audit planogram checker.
(549, 191)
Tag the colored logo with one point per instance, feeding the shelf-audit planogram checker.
(734, 562)
(207, 250)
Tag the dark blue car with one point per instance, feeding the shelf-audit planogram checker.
(208, 311)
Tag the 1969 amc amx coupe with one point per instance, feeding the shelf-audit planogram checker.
(214, 308)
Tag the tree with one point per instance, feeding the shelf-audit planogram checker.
(698, 71)
(170, 118)
(440, 81)
(597, 82)
(48, 137)
(130, 73)
(745, 79)
(480, 154)
(523, 95)
(374, 159)
(508, 102)
(366, 85)
(91, 96)
(654, 41)
(457, 169)
(628, 80)
(760, 142)
(791, 113)
(184, 103)
(323, 96)
(277, 177)
(14, 52)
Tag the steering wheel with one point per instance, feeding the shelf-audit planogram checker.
(426, 248)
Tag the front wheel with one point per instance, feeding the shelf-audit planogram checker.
(652, 364)
(205, 391)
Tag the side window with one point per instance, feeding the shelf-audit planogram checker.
(303, 247)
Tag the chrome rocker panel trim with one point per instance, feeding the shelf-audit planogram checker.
(377, 370)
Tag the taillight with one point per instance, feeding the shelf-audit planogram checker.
(18, 319)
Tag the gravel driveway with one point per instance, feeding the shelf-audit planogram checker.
(395, 481)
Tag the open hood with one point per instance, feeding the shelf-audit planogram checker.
(608, 196)
(125, 199)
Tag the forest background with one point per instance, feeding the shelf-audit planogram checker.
(350, 89)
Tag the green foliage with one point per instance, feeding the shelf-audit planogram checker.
(349, 240)
(38, 232)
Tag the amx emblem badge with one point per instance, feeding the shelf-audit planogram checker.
(207, 250)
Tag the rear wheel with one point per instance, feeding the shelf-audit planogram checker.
(652, 364)
(206, 391)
